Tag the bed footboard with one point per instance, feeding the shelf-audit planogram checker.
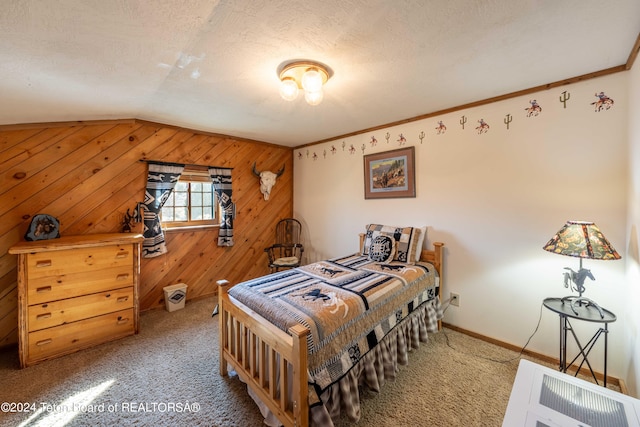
(270, 361)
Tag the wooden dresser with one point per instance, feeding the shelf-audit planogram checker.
(75, 292)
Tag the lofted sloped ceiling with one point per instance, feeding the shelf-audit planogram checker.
(211, 65)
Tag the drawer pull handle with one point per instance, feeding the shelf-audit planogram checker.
(122, 321)
(122, 299)
(124, 276)
(43, 316)
(121, 255)
(43, 263)
(43, 289)
(45, 342)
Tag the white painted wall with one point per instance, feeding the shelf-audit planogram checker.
(631, 359)
(495, 199)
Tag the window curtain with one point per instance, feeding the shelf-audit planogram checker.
(160, 183)
(221, 178)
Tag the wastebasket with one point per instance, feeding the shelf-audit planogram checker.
(175, 296)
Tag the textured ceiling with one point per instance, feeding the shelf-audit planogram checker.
(211, 65)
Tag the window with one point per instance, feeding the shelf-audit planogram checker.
(192, 202)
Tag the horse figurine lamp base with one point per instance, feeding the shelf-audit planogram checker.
(575, 281)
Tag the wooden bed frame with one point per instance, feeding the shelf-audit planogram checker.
(264, 356)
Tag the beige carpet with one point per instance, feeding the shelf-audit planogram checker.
(168, 375)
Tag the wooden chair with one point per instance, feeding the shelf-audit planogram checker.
(287, 251)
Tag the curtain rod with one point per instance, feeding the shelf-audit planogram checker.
(180, 164)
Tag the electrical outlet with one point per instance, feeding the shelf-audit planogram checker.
(454, 299)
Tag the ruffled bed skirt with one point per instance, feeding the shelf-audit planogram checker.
(378, 365)
(374, 368)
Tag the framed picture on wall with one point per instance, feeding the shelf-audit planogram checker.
(390, 174)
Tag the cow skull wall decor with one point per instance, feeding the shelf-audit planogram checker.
(267, 180)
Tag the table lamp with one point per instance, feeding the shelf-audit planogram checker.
(583, 240)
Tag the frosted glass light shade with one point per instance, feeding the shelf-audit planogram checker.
(288, 89)
(312, 80)
(314, 98)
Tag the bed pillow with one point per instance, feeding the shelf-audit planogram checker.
(412, 254)
(420, 243)
(382, 248)
(406, 240)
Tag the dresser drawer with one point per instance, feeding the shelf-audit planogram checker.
(57, 313)
(53, 288)
(56, 263)
(78, 335)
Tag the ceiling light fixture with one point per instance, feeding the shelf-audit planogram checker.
(306, 75)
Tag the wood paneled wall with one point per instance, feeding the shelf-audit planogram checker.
(88, 174)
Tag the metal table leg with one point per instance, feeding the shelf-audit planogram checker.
(563, 343)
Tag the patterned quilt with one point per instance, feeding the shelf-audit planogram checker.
(349, 304)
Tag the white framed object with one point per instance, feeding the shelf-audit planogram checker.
(545, 397)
